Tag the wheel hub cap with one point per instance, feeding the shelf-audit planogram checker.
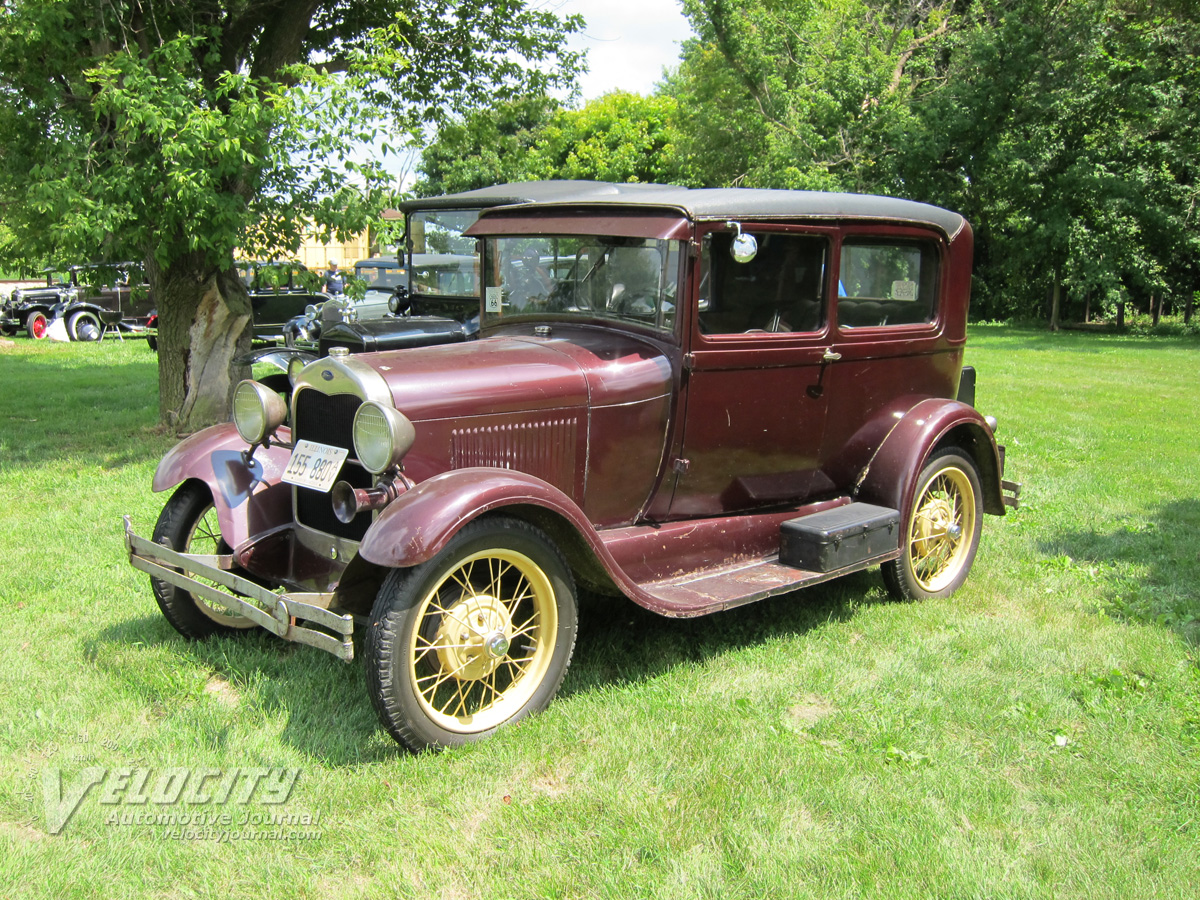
(474, 637)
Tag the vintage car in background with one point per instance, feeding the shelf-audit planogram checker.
(88, 299)
(374, 283)
(279, 291)
(438, 305)
(694, 399)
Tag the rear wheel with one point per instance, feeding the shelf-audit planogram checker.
(188, 523)
(478, 637)
(83, 326)
(941, 536)
(36, 324)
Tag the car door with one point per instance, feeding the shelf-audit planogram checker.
(757, 373)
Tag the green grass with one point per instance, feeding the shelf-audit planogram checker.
(1037, 735)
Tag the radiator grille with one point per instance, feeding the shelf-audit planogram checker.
(329, 419)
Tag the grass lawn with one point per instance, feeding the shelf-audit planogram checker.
(1037, 735)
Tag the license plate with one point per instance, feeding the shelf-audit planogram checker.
(314, 465)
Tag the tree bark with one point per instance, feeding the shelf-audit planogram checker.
(204, 322)
(1055, 304)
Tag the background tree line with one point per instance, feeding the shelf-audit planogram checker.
(1065, 130)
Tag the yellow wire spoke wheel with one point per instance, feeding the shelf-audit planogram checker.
(940, 529)
(476, 638)
(484, 640)
(942, 532)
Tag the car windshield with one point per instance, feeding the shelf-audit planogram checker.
(442, 257)
(445, 274)
(631, 279)
(379, 277)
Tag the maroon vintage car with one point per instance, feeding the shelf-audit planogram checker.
(695, 399)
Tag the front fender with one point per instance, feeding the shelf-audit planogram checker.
(418, 523)
(890, 477)
(249, 499)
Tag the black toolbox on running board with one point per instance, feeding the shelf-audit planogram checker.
(839, 537)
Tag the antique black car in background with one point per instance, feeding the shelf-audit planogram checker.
(279, 291)
(87, 299)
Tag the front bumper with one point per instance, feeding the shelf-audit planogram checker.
(279, 614)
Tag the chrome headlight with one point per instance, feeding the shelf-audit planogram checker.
(382, 435)
(257, 411)
(295, 366)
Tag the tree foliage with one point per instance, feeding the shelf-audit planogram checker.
(175, 132)
(1064, 130)
(618, 137)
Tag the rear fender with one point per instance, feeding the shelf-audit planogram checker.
(249, 499)
(890, 477)
(417, 525)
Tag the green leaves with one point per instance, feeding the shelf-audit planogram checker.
(1066, 132)
(235, 124)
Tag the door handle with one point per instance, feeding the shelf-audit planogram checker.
(830, 356)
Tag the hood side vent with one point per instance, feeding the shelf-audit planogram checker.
(546, 449)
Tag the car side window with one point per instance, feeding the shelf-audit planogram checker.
(780, 290)
(883, 283)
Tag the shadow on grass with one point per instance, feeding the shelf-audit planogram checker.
(619, 642)
(1149, 566)
(327, 710)
(322, 701)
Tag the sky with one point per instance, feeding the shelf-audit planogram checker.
(629, 42)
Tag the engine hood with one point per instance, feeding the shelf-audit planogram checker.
(512, 373)
(479, 378)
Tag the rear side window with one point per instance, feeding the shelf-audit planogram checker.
(882, 283)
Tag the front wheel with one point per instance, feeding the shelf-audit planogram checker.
(941, 536)
(36, 325)
(188, 523)
(478, 637)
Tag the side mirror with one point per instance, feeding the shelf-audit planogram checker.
(744, 247)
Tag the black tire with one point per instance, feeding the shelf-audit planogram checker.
(188, 523)
(36, 325)
(941, 536)
(519, 587)
(152, 342)
(83, 325)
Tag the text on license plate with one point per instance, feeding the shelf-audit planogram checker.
(314, 465)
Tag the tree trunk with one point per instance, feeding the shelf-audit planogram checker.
(1187, 308)
(1055, 304)
(1155, 309)
(204, 322)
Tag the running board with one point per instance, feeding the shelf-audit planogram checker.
(708, 592)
